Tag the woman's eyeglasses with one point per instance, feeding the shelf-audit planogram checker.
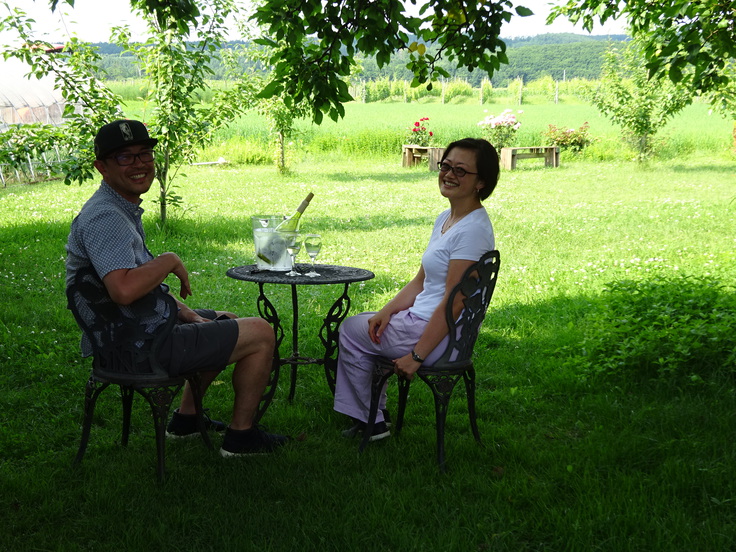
(125, 159)
(457, 171)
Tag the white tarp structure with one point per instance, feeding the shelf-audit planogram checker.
(25, 100)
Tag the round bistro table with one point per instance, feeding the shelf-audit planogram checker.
(329, 331)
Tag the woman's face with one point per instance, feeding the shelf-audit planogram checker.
(453, 186)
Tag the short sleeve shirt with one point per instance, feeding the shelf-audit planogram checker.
(468, 239)
(108, 235)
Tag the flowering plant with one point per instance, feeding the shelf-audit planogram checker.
(419, 133)
(569, 138)
(501, 130)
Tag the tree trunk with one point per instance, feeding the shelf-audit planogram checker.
(282, 152)
(162, 197)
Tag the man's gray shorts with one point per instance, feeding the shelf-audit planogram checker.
(203, 347)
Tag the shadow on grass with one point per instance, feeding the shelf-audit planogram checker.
(391, 176)
(699, 169)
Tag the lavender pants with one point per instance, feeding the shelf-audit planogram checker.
(357, 356)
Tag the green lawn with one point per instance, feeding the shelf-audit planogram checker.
(572, 459)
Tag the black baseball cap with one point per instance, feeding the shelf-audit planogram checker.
(119, 134)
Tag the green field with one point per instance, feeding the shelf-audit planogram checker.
(379, 128)
(606, 391)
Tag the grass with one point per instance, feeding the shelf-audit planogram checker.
(570, 461)
(378, 129)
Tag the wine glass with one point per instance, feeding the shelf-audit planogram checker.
(312, 243)
(293, 246)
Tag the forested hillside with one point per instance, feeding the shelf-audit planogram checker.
(560, 56)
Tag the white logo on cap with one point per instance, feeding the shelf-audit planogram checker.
(126, 132)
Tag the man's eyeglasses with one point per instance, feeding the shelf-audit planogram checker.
(457, 171)
(125, 159)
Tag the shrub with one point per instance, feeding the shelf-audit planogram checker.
(671, 329)
(398, 89)
(501, 130)
(457, 88)
(418, 133)
(486, 91)
(568, 138)
(377, 90)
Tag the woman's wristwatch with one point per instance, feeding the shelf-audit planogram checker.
(415, 357)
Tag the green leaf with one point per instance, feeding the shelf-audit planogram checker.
(270, 90)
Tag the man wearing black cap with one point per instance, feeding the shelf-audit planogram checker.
(108, 235)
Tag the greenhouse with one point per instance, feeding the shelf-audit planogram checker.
(26, 100)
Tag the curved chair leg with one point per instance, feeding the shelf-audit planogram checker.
(403, 399)
(126, 394)
(381, 374)
(442, 386)
(469, 377)
(160, 399)
(93, 388)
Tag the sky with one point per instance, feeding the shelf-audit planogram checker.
(91, 20)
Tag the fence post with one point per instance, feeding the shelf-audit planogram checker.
(521, 89)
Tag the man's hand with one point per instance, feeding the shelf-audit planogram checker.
(188, 316)
(180, 272)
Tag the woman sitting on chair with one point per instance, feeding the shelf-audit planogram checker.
(411, 328)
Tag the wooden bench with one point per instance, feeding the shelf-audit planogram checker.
(414, 155)
(550, 154)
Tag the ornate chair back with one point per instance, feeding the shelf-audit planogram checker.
(125, 342)
(475, 290)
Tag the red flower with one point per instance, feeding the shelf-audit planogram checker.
(416, 124)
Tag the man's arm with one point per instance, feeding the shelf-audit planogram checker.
(126, 285)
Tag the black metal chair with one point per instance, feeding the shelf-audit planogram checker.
(125, 354)
(476, 288)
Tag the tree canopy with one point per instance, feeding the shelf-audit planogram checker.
(315, 43)
(683, 40)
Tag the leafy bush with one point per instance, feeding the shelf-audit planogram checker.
(544, 86)
(568, 138)
(486, 91)
(377, 90)
(675, 330)
(397, 90)
(457, 88)
(500, 130)
(419, 134)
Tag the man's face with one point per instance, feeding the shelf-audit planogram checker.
(129, 171)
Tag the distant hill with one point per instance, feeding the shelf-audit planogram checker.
(562, 38)
(559, 61)
(559, 55)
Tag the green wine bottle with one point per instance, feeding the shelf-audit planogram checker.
(291, 224)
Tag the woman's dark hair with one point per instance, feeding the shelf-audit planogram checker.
(486, 158)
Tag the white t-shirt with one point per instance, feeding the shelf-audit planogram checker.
(468, 239)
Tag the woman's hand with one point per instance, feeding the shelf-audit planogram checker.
(406, 366)
(377, 325)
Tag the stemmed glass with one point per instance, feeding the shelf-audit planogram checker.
(293, 246)
(312, 243)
